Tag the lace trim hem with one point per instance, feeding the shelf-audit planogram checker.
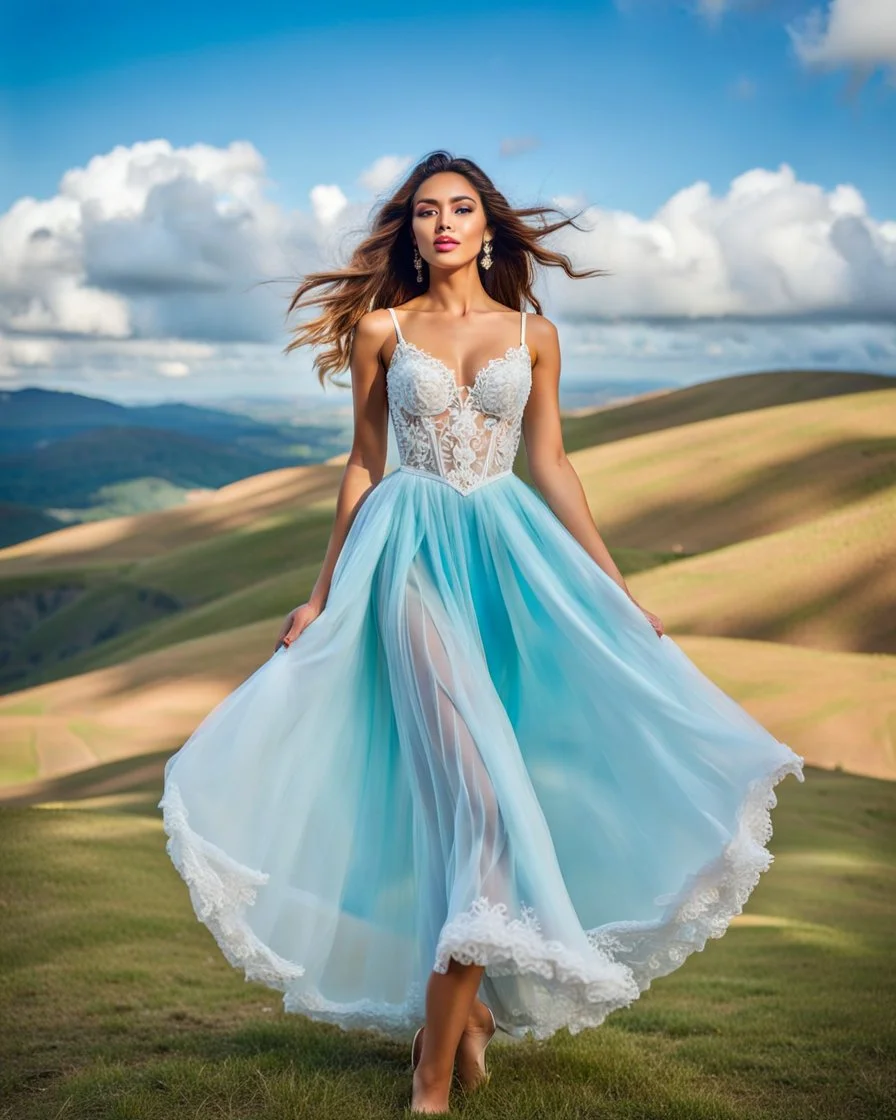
(577, 992)
(588, 991)
(221, 890)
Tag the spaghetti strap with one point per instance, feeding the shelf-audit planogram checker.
(523, 329)
(397, 327)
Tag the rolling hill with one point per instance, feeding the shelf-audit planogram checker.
(829, 583)
(761, 538)
(708, 400)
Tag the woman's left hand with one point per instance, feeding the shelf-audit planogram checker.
(654, 619)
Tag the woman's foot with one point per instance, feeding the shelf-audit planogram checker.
(472, 1071)
(470, 1067)
(429, 1094)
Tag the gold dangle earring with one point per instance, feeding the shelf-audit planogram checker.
(487, 254)
(418, 264)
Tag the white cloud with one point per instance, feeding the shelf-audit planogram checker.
(857, 33)
(145, 266)
(384, 172)
(731, 345)
(327, 202)
(19, 355)
(771, 248)
(150, 241)
(173, 369)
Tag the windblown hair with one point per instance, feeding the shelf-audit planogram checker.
(381, 272)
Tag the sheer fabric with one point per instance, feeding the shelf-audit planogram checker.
(479, 750)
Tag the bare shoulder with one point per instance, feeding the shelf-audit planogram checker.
(372, 332)
(373, 327)
(542, 335)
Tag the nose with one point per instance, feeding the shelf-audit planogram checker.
(444, 224)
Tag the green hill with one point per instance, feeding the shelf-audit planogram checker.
(726, 396)
(21, 523)
(69, 472)
(829, 583)
(180, 600)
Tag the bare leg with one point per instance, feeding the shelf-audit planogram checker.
(464, 827)
(450, 998)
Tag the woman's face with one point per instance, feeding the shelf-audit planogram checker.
(448, 221)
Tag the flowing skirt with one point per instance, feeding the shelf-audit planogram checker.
(480, 749)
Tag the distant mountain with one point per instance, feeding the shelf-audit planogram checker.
(68, 472)
(65, 457)
(21, 523)
(33, 418)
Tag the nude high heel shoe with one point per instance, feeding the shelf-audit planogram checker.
(484, 1072)
(415, 1056)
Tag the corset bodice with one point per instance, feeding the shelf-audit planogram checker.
(464, 435)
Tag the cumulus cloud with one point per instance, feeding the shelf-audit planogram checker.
(855, 33)
(150, 241)
(146, 267)
(327, 202)
(384, 173)
(772, 247)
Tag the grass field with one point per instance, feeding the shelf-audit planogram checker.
(754, 516)
(123, 1007)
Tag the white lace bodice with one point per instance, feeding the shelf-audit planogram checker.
(464, 435)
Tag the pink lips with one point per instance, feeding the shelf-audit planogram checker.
(445, 246)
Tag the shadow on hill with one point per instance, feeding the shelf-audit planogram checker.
(141, 774)
(850, 614)
(105, 618)
(776, 496)
(712, 399)
(148, 535)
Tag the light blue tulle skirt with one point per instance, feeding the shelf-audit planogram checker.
(479, 750)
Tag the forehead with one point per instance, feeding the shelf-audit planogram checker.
(445, 185)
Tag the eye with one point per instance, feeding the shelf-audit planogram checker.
(424, 213)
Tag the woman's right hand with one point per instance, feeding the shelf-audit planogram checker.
(295, 622)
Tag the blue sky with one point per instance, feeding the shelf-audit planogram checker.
(617, 106)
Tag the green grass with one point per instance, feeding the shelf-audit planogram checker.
(18, 758)
(125, 1008)
(233, 578)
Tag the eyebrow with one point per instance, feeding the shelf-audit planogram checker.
(456, 198)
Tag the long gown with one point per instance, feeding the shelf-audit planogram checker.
(480, 749)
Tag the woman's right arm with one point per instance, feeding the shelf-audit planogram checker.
(366, 461)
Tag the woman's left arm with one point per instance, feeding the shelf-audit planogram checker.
(551, 471)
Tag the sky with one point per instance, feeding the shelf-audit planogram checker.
(169, 171)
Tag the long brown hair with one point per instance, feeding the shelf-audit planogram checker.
(381, 273)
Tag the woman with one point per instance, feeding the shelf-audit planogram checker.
(475, 784)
